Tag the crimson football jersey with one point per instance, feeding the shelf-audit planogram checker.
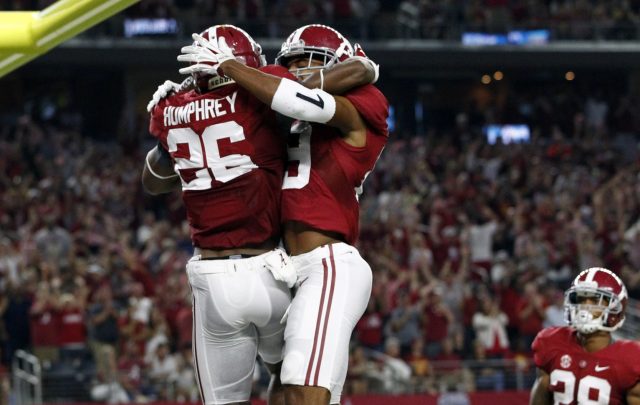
(579, 377)
(230, 157)
(325, 174)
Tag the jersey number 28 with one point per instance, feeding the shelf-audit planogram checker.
(586, 385)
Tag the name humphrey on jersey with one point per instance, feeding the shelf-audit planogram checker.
(198, 110)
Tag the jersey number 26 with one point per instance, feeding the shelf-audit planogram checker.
(197, 157)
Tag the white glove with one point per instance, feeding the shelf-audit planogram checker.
(205, 55)
(358, 54)
(163, 91)
(281, 266)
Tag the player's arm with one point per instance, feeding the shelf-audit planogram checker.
(633, 395)
(540, 394)
(294, 100)
(356, 71)
(285, 96)
(158, 176)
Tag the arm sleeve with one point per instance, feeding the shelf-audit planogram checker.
(296, 101)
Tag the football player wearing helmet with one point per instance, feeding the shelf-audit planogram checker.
(332, 148)
(222, 147)
(582, 363)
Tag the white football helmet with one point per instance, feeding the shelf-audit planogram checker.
(609, 300)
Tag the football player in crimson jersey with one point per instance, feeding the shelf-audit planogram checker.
(329, 160)
(222, 147)
(582, 363)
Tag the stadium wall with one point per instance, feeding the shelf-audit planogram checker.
(476, 398)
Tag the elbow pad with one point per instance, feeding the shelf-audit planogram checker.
(296, 101)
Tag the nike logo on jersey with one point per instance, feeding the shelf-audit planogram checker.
(319, 102)
(598, 368)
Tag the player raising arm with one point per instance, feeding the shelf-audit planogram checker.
(582, 364)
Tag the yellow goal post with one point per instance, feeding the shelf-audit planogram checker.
(25, 35)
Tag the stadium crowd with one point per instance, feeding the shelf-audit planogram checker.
(376, 19)
(471, 245)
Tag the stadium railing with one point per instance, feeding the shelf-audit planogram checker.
(491, 375)
(27, 379)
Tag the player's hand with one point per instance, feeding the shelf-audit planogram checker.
(358, 54)
(163, 91)
(281, 266)
(206, 57)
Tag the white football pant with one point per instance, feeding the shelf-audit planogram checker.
(237, 308)
(334, 285)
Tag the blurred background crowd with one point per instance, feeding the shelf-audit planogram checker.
(471, 245)
(375, 19)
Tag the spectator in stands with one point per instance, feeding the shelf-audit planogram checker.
(133, 323)
(104, 332)
(422, 375)
(436, 318)
(162, 370)
(490, 326)
(450, 370)
(14, 309)
(53, 242)
(157, 333)
(45, 324)
(394, 373)
(531, 313)
(420, 255)
(488, 376)
(501, 267)
(358, 378)
(184, 324)
(131, 370)
(369, 329)
(186, 386)
(453, 297)
(73, 333)
(9, 261)
(554, 313)
(479, 232)
(404, 322)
